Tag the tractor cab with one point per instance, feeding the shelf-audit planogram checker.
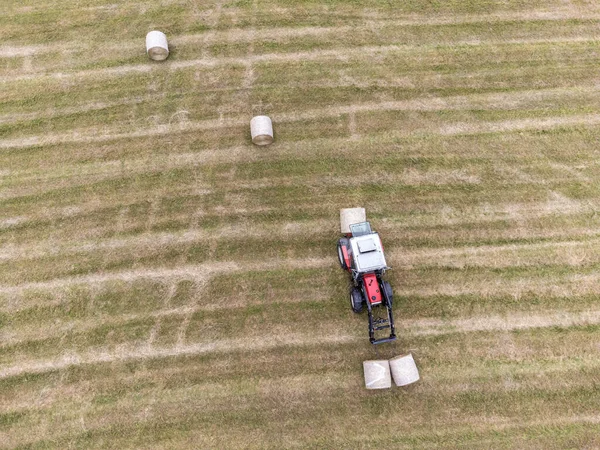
(366, 249)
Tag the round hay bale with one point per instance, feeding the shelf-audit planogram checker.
(261, 129)
(377, 374)
(350, 216)
(156, 45)
(404, 370)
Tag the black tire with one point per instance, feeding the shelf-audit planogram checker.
(387, 288)
(356, 300)
(342, 243)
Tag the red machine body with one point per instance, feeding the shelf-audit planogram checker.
(372, 289)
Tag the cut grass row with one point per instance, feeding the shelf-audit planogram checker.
(288, 244)
(578, 250)
(507, 373)
(455, 292)
(388, 152)
(252, 182)
(164, 283)
(513, 364)
(232, 307)
(410, 65)
(463, 359)
(462, 267)
(235, 43)
(25, 25)
(176, 113)
(454, 227)
(511, 203)
(530, 152)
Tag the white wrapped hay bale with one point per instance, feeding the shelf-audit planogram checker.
(350, 216)
(404, 370)
(377, 374)
(261, 129)
(156, 45)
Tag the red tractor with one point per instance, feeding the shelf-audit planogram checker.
(361, 253)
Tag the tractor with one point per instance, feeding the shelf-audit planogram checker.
(360, 252)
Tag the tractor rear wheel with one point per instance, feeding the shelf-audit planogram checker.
(387, 288)
(356, 300)
(342, 243)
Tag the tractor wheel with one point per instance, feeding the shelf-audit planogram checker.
(356, 300)
(342, 243)
(387, 288)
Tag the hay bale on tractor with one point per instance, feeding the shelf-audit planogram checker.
(350, 216)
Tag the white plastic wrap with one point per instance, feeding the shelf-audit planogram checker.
(261, 129)
(156, 45)
(377, 374)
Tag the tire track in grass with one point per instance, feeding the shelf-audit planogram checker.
(493, 100)
(212, 37)
(30, 184)
(472, 256)
(100, 135)
(481, 432)
(456, 379)
(570, 252)
(417, 327)
(509, 322)
(556, 286)
(323, 432)
(556, 204)
(519, 124)
(433, 217)
(9, 51)
(115, 169)
(103, 172)
(439, 177)
(51, 113)
(313, 55)
(216, 392)
(243, 202)
(242, 35)
(198, 301)
(208, 391)
(144, 352)
(188, 272)
(514, 212)
(155, 240)
(91, 135)
(554, 14)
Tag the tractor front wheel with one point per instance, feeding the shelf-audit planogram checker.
(356, 300)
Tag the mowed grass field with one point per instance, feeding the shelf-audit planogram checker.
(166, 284)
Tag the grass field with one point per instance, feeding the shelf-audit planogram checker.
(166, 284)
